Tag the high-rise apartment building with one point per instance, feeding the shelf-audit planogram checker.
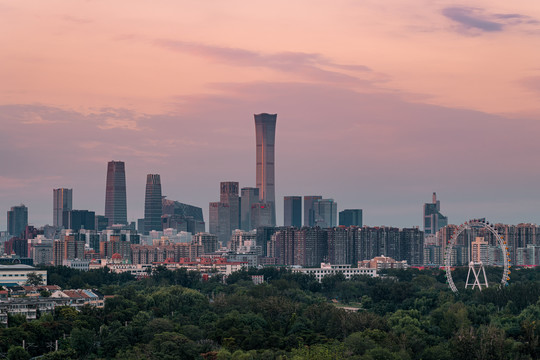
(17, 220)
(265, 131)
(350, 217)
(152, 203)
(310, 246)
(248, 197)
(69, 247)
(115, 194)
(62, 201)
(325, 212)
(209, 242)
(282, 246)
(309, 209)
(433, 219)
(292, 211)
(244, 241)
(479, 251)
(341, 245)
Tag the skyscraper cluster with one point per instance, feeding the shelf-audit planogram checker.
(256, 206)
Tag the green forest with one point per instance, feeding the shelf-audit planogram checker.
(406, 314)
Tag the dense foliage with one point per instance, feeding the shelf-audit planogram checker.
(175, 315)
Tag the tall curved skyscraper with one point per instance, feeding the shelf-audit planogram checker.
(115, 193)
(153, 207)
(265, 131)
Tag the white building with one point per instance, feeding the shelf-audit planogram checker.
(83, 265)
(328, 269)
(18, 274)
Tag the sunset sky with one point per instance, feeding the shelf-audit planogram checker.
(379, 103)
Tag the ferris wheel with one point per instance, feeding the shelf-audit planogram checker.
(476, 267)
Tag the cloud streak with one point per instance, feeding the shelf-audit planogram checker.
(310, 65)
(476, 19)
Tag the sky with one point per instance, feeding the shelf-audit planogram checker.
(379, 103)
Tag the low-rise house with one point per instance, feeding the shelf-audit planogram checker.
(78, 298)
(29, 307)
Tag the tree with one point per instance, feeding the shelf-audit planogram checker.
(34, 279)
(82, 341)
(17, 353)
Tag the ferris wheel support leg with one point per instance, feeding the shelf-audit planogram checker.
(485, 277)
(476, 279)
(468, 274)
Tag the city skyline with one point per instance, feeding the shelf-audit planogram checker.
(379, 106)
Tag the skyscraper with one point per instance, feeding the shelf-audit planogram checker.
(265, 131)
(261, 215)
(350, 217)
(62, 201)
(225, 214)
(115, 194)
(79, 219)
(309, 209)
(249, 197)
(325, 211)
(433, 219)
(229, 194)
(17, 220)
(218, 224)
(292, 211)
(182, 217)
(152, 203)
